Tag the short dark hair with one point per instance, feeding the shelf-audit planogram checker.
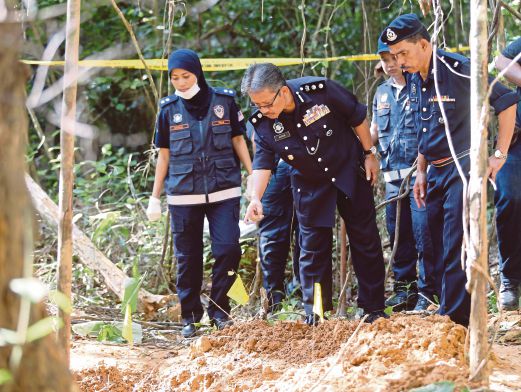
(262, 76)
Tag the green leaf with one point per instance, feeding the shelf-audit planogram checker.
(388, 310)
(5, 376)
(130, 294)
(60, 300)
(443, 386)
(43, 328)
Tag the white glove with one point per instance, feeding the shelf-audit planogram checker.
(154, 209)
(249, 187)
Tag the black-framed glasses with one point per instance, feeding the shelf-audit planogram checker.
(260, 107)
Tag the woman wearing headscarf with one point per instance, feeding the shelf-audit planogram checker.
(199, 133)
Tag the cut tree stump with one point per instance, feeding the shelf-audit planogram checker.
(91, 256)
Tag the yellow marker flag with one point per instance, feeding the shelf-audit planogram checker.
(317, 301)
(238, 292)
(126, 331)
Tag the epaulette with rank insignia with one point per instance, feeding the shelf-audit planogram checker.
(318, 85)
(256, 117)
(167, 100)
(224, 91)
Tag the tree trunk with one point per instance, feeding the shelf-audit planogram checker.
(68, 118)
(478, 247)
(42, 365)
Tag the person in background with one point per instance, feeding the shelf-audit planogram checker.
(392, 128)
(199, 133)
(441, 189)
(275, 233)
(508, 194)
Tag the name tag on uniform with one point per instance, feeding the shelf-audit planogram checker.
(383, 105)
(443, 98)
(174, 128)
(220, 122)
(281, 136)
(315, 113)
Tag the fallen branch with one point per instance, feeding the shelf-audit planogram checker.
(88, 254)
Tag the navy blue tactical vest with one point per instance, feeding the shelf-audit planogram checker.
(397, 137)
(203, 167)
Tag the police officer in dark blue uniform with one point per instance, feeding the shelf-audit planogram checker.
(312, 124)
(408, 41)
(200, 138)
(393, 129)
(508, 195)
(275, 233)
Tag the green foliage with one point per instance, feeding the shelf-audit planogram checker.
(111, 333)
(5, 376)
(43, 327)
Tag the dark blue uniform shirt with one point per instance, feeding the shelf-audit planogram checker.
(318, 141)
(510, 52)
(397, 140)
(454, 84)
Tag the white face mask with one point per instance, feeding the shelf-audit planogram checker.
(190, 93)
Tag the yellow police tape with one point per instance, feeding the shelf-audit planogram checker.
(219, 64)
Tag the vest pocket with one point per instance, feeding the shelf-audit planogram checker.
(227, 173)
(181, 179)
(222, 136)
(180, 143)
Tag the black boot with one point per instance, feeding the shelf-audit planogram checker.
(404, 298)
(221, 323)
(375, 315)
(509, 295)
(189, 330)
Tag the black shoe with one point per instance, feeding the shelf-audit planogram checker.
(312, 319)
(221, 323)
(372, 316)
(422, 304)
(509, 296)
(189, 330)
(402, 300)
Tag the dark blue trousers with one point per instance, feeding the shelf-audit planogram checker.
(508, 215)
(275, 231)
(414, 244)
(316, 250)
(444, 210)
(187, 231)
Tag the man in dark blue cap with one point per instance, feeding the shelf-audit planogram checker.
(393, 130)
(408, 41)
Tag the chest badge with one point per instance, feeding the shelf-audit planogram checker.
(178, 117)
(218, 110)
(278, 127)
(383, 97)
(315, 113)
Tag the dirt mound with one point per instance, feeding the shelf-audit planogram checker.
(292, 342)
(113, 379)
(389, 355)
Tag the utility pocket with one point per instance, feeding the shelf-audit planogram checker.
(222, 136)
(180, 143)
(227, 173)
(181, 179)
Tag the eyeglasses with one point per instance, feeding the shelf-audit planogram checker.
(260, 107)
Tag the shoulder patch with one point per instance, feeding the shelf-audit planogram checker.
(310, 87)
(168, 100)
(224, 91)
(256, 118)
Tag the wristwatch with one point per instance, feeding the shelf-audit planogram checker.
(499, 155)
(372, 150)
